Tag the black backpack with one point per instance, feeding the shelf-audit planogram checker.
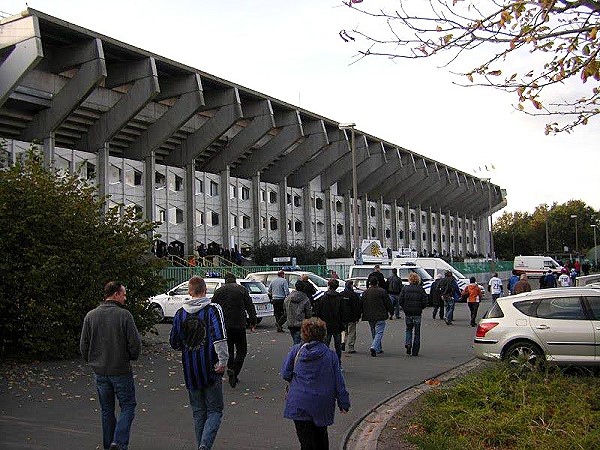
(194, 330)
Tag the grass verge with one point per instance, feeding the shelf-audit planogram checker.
(500, 408)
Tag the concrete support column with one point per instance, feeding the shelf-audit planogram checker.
(448, 234)
(49, 144)
(380, 222)
(464, 235)
(394, 212)
(226, 218)
(418, 212)
(150, 188)
(407, 230)
(348, 205)
(256, 224)
(364, 218)
(283, 217)
(309, 237)
(190, 207)
(328, 220)
(440, 230)
(430, 230)
(456, 234)
(102, 164)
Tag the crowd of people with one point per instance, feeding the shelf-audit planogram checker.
(211, 335)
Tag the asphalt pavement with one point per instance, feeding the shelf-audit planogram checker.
(53, 405)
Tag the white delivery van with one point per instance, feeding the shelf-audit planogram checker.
(360, 273)
(535, 266)
(435, 266)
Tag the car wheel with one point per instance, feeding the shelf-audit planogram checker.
(524, 355)
(158, 312)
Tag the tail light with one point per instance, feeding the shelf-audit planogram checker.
(483, 328)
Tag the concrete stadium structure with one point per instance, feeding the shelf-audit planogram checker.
(218, 163)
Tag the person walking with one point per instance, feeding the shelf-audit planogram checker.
(316, 383)
(199, 333)
(522, 285)
(495, 287)
(376, 309)
(109, 342)
(377, 273)
(235, 302)
(474, 297)
(514, 278)
(297, 308)
(394, 287)
(564, 280)
(354, 308)
(310, 290)
(549, 280)
(278, 291)
(436, 297)
(413, 300)
(329, 309)
(448, 289)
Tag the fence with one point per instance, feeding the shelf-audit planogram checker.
(177, 275)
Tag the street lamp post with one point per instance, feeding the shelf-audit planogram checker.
(574, 216)
(595, 248)
(351, 126)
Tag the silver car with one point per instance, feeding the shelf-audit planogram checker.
(166, 305)
(561, 326)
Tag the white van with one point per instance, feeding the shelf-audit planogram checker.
(435, 266)
(360, 273)
(535, 266)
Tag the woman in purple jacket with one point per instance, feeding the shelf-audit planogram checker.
(316, 382)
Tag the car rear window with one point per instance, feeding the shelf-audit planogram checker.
(494, 312)
(527, 307)
(254, 287)
(594, 302)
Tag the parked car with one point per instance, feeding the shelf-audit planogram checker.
(560, 325)
(292, 276)
(166, 305)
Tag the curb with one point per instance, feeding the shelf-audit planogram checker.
(365, 432)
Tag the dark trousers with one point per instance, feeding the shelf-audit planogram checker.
(473, 306)
(311, 437)
(337, 343)
(279, 312)
(237, 345)
(440, 306)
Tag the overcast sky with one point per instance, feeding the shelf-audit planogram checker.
(291, 50)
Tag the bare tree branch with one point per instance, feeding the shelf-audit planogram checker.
(563, 33)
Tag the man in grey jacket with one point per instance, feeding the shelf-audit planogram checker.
(109, 341)
(278, 291)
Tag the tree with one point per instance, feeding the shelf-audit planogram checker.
(534, 48)
(57, 250)
(523, 233)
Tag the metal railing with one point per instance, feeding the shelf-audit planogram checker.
(177, 275)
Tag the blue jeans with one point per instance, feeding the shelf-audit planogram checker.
(121, 386)
(396, 304)
(449, 302)
(377, 334)
(337, 343)
(296, 336)
(207, 410)
(413, 323)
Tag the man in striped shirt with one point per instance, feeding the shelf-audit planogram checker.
(203, 365)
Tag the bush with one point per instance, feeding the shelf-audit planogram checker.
(57, 250)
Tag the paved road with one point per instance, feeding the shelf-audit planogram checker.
(54, 406)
